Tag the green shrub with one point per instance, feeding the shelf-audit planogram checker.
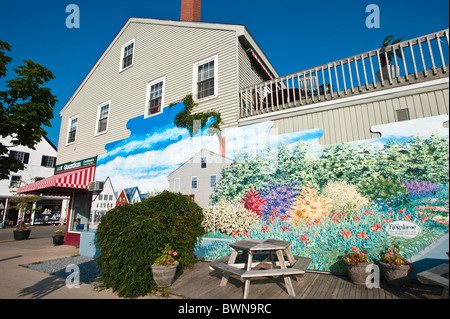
(132, 237)
(381, 189)
(344, 196)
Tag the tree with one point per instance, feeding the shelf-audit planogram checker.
(26, 106)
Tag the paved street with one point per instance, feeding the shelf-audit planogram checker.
(37, 231)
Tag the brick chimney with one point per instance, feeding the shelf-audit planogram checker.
(191, 10)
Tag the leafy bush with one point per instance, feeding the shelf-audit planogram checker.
(253, 201)
(229, 217)
(381, 189)
(344, 197)
(417, 189)
(279, 197)
(309, 206)
(130, 238)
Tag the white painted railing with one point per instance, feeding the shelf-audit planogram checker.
(418, 59)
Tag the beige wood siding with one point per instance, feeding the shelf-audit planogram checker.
(160, 50)
(347, 122)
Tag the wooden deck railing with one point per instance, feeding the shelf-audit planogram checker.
(420, 59)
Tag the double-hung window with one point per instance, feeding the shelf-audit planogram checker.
(102, 117)
(155, 97)
(72, 131)
(194, 182)
(23, 157)
(205, 78)
(127, 55)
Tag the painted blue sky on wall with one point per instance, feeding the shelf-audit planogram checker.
(155, 147)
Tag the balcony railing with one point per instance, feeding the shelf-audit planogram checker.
(420, 59)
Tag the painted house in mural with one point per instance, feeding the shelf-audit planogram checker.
(129, 196)
(197, 178)
(123, 101)
(102, 201)
(38, 163)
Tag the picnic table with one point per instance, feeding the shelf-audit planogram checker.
(269, 267)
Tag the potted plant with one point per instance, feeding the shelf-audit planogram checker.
(58, 238)
(164, 267)
(396, 269)
(386, 63)
(21, 232)
(356, 263)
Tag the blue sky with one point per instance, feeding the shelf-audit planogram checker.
(294, 35)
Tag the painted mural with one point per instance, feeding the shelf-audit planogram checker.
(324, 199)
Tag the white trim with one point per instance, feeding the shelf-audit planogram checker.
(147, 96)
(122, 52)
(68, 129)
(195, 66)
(98, 117)
(348, 99)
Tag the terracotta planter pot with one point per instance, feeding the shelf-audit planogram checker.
(397, 276)
(358, 273)
(164, 275)
(22, 234)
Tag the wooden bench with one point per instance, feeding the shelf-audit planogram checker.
(435, 276)
(220, 265)
(271, 273)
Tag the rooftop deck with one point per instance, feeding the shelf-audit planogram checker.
(202, 283)
(413, 61)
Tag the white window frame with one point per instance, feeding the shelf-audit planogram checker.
(122, 51)
(68, 129)
(99, 107)
(192, 179)
(147, 96)
(214, 58)
(175, 188)
(210, 176)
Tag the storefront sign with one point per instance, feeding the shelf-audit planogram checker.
(403, 228)
(75, 165)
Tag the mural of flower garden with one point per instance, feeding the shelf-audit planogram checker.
(328, 202)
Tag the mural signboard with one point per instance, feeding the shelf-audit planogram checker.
(403, 229)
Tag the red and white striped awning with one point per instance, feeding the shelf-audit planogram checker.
(261, 64)
(61, 183)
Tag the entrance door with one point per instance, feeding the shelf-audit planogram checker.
(81, 208)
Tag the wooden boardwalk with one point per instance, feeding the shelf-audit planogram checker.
(200, 282)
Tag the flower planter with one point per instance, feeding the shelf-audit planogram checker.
(164, 275)
(21, 234)
(397, 276)
(58, 240)
(358, 273)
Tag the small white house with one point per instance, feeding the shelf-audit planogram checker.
(102, 202)
(198, 177)
(39, 163)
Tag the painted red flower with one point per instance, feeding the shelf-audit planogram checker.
(362, 235)
(286, 228)
(303, 238)
(346, 233)
(234, 233)
(246, 233)
(336, 220)
(375, 228)
(264, 229)
(357, 218)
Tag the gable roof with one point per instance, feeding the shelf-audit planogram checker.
(130, 192)
(189, 160)
(241, 32)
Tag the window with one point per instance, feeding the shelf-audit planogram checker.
(402, 115)
(102, 118)
(205, 78)
(127, 55)
(20, 156)
(15, 181)
(203, 165)
(212, 181)
(155, 97)
(194, 182)
(48, 161)
(73, 124)
(176, 184)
